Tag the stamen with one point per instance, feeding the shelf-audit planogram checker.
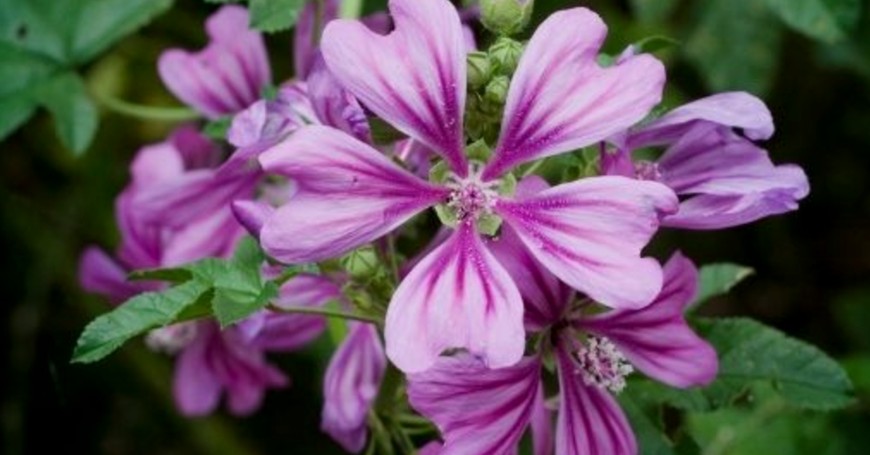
(601, 364)
(647, 170)
(470, 197)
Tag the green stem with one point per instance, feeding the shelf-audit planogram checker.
(534, 167)
(167, 114)
(330, 313)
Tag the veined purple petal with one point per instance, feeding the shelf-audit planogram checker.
(212, 235)
(334, 106)
(286, 332)
(307, 33)
(227, 75)
(729, 180)
(590, 234)
(616, 162)
(656, 338)
(349, 194)
(541, 425)
(414, 78)
(478, 410)
(196, 388)
(351, 385)
(458, 296)
(544, 296)
(101, 274)
(561, 99)
(590, 421)
(730, 109)
(252, 215)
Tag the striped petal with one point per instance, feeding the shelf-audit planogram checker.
(656, 338)
(590, 234)
(590, 421)
(561, 99)
(227, 75)
(414, 78)
(349, 194)
(477, 410)
(458, 296)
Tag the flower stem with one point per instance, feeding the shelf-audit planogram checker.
(328, 312)
(167, 114)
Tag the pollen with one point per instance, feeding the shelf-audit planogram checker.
(601, 364)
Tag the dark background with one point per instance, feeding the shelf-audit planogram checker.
(812, 267)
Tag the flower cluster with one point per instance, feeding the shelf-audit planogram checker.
(527, 278)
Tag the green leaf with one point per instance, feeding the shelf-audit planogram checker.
(101, 23)
(751, 353)
(233, 305)
(21, 72)
(144, 312)
(718, 279)
(650, 11)
(650, 438)
(75, 116)
(825, 20)
(735, 45)
(274, 15)
(217, 129)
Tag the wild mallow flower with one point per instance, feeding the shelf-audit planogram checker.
(480, 410)
(588, 233)
(722, 176)
(210, 362)
(227, 75)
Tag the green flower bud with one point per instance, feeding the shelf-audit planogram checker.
(505, 17)
(362, 263)
(496, 90)
(504, 55)
(479, 69)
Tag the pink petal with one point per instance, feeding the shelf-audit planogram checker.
(195, 386)
(590, 234)
(307, 33)
(590, 421)
(286, 332)
(252, 215)
(414, 78)
(542, 425)
(458, 296)
(227, 75)
(477, 410)
(101, 274)
(351, 385)
(656, 338)
(732, 180)
(561, 99)
(212, 235)
(349, 194)
(334, 106)
(731, 109)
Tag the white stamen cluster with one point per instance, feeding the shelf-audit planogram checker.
(470, 197)
(601, 364)
(647, 170)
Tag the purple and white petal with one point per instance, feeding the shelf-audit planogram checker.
(541, 424)
(214, 235)
(101, 274)
(728, 180)
(252, 215)
(351, 385)
(731, 109)
(286, 332)
(590, 421)
(656, 338)
(307, 32)
(333, 105)
(349, 194)
(590, 234)
(227, 75)
(458, 296)
(561, 99)
(478, 410)
(414, 77)
(196, 387)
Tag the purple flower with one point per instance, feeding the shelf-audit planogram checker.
(588, 233)
(227, 75)
(479, 410)
(726, 180)
(351, 385)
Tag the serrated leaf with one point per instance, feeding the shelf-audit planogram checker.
(735, 45)
(75, 116)
(718, 279)
(650, 438)
(825, 20)
(752, 353)
(138, 315)
(171, 275)
(274, 15)
(231, 306)
(101, 23)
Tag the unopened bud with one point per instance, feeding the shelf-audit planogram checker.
(496, 90)
(479, 69)
(505, 17)
(362, 263)
(505, 55)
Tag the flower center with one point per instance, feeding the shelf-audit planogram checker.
(647, 170)
(601, 364)
(470, 198)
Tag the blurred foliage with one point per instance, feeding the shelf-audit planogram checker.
(809, 60)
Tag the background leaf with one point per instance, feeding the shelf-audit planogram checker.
(825, 20)
(75, 116)
(274, 15)
(718, 279)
